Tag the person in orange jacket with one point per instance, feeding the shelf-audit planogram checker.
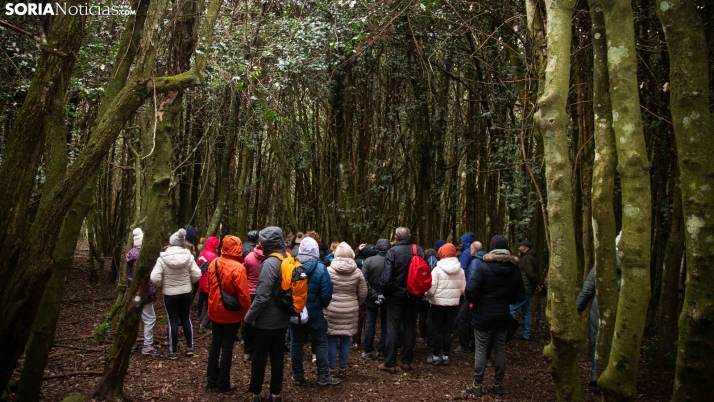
(233, 281)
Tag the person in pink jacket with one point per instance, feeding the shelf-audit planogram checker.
(252, 267)
(206, 257)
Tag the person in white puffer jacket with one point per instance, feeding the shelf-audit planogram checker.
(448, 283)
(174, 272)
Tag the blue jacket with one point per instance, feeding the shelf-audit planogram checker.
(319, 287)
(465, 257)
(476, 261)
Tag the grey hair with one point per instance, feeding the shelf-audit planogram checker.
(402, 233)
(476, 247)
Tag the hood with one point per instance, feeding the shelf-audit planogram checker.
(253, 236)
(232, 247)
(344, 250)
(382, 246)
(343, 265)
(259, 253)
(271, 238)
(369, 251)
(212, 244)
(479, 255)
(466, 240)
(176, 257)
(450, 265)
(503, 257)
(308, 246)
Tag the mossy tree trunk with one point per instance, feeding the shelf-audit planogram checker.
(551, 120)
(619, 381)
(18, 307)
(693, 129)
(603, 183)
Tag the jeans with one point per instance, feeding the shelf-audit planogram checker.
(316, 327)
(481, 339)
(443, 322)
(396, 313)
(370, 328)
(203, 309)
(222, 339)
(463, 324)
(178, 307)
(267, 342)
(148, 317)
(249, 335)
(344, 341)
(525, 309)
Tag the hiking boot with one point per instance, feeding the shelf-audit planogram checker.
(328, 380)
(171, 356)
(474, 389)
(276, 398)
(136, 347)
(445, 361)
(298, 380)
(342, 372)
(380, 355)
(257, 398)
(406, 367)
(247, 357)
(367, 356)
(461, 350)
(231, 387)
(383, 367)
(497, 388)
(189, 352)
(150, 351)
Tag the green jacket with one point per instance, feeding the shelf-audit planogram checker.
(529, 270)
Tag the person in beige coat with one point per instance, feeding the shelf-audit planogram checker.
(448, 283)
(349, 291)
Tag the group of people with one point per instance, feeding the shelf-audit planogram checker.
(348, 289)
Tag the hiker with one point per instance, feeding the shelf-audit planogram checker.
(269, 321)
(250, 243)
(188, 239)
(372, 272)
(207, 256)
(225, 275)
(362, 252)
(349, 292)
(464, 316)
(529, 273)
(295, 246)
(252, 266)
(465, 257)
(148, 315)
(319, 295)
(447, 286)
(492, 289)
(174, 272)
(402, 307)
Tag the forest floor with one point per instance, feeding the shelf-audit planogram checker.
(152, 378)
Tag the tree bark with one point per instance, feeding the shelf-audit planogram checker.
(551, 119)
(603, 184)
(693, 129)
(619, 381)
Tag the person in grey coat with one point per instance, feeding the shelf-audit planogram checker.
(269, 321)
(372, 271)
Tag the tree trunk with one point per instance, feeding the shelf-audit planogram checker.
(551, 119)
(693, 130)
(619, 381)
(603, 184)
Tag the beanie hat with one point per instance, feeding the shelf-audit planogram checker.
(447, 250)
(190, 233)
(309, 246)
(525, 243)
(138, 237)
(344, 250)
(178, 238)
(499, 242)
(438, 244)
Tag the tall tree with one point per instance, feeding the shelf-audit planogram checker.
(693, 129)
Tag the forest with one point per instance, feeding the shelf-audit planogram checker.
(563, 122)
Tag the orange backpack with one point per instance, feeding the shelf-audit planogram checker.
(291, 290)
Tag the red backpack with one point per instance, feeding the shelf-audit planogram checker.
(419, 276)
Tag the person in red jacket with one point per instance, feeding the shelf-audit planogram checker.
(207, 256)
(233, 281)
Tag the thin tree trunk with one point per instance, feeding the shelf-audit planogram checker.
(566, 334)
(693, 130)
(619, 381)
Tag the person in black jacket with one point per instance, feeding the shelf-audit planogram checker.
(492, 288)
(372, 271)
(250, 244)
(401, 306)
